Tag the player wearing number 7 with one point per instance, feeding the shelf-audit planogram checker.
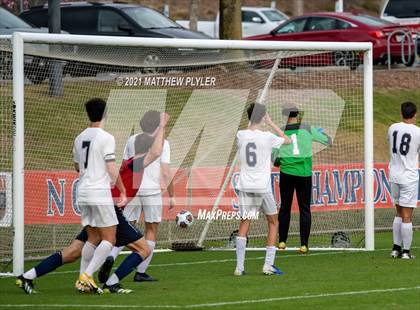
(295, 163)
(255, 147)
(94, 159)
(404, 147)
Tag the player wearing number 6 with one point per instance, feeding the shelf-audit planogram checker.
(255, 147)
(404, 146)
(295, 163)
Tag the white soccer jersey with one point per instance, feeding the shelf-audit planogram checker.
(404, 146)
(255, 147)
(150, 184)
(92, 149)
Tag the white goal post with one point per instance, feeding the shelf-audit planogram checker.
(19, 40)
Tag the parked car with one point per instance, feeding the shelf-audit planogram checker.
(340, 27)
(118, 19)
(403, 12)
(255, 21)
(111, 19)
(36, 68)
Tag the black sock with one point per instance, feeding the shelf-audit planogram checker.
(49, 264)
(396, 248)
(406, 251)
(128, 264)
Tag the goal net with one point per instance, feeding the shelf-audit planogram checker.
(206, 87)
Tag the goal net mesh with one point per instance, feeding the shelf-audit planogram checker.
(206, 93)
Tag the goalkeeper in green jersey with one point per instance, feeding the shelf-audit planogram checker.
(295, 162)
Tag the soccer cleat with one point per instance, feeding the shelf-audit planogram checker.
(395, 254)
(239, 272)
(80, 287)
(272, 270)
(282, 246)
(116, 289)
(303, 249)
(407, 256)
(25, 284)
(143, 277)
(105, 269)
(87, 284)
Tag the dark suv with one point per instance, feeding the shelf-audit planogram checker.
(118, 19)
(111, 19)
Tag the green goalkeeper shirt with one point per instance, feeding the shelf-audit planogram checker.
(296, 158)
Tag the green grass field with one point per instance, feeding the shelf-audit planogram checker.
(319, 280)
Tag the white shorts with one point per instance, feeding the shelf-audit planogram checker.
(151, 206)
(250, 204)
(98, 216)
(405, 195)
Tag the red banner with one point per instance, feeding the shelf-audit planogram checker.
(51, 196)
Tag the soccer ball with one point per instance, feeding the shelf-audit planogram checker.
(184, 219)
(340, 240)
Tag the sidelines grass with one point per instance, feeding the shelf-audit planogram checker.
(330, 280)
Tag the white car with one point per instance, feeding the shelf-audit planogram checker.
(255, 21)
(403, 12)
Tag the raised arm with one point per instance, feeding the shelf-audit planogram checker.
(157, 145)
(276, 129)
(318, 135)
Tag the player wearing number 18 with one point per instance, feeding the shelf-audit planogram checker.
(404, 147)
(295, 163)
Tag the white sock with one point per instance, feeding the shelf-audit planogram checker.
(99, 257)
(87, 253)
(30, 274)
(270, 255)
(113, 279)
(407, 235)
(240, 253)
(144, 264)
(396, 230)
(116, 251)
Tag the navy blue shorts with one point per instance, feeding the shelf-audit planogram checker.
(126, 233)
(82, 236)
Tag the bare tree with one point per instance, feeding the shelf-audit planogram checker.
(273, 4)
(298, 7)
(166, 8)
(194, 14)
(230, 27)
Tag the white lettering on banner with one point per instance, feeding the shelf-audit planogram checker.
(55, 198)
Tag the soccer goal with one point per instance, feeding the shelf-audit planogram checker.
(205, 86)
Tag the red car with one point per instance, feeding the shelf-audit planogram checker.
(340, 27)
